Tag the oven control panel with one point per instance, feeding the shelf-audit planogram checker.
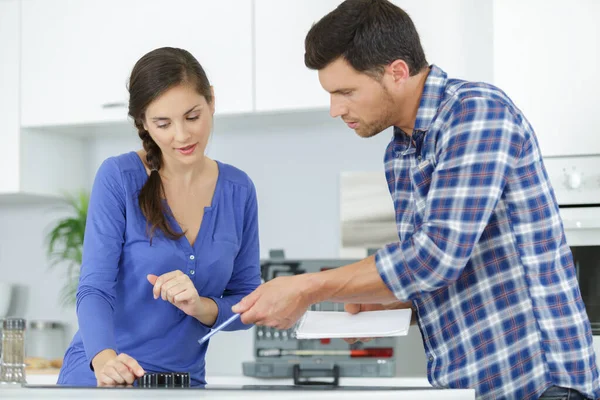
(575, 179)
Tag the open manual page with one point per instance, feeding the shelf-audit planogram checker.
(335, 324)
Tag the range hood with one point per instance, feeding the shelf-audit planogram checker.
(367, 214)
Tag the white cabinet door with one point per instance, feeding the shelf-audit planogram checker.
(9, 96)
(33, 165)
(77, 55)
(547, 58)
(282, 80)
(456, 35)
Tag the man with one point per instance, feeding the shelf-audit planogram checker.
(481, 255)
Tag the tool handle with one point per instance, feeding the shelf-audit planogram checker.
(269, 352)
(374, 352)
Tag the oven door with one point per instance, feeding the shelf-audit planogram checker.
(582, 229)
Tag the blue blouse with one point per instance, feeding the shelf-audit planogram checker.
(115, 306)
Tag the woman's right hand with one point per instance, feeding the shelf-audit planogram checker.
(115, 370)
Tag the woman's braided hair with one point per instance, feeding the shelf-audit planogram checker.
(153, 74)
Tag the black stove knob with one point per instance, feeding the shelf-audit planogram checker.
(165, 380)
(181, 379)
(147, 381)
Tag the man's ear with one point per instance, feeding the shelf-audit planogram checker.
(399, 71)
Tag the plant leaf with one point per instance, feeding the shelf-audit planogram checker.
(65, 243)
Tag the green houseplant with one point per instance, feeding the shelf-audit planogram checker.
(65, 243)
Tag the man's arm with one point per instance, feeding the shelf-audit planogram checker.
(282, 301)
(354, 283)
(474, 160)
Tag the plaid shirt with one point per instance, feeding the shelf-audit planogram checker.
(482, 251)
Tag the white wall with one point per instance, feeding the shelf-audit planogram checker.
(284, 154)
(295, 162)
(296, 170)
(23, 264)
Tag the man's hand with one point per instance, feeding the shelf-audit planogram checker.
(278, 303)
(356, 308)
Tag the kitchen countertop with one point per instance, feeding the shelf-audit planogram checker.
(230, 387)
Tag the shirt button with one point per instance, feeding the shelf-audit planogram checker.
(192, 257)
(192, 272)
(430, 358)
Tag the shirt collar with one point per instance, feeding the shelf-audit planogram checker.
(431, 97)
(433, 93)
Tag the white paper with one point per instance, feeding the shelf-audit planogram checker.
(367, 324)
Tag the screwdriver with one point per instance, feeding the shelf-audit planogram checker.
(375, 352)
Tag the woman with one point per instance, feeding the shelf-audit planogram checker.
(171, 240)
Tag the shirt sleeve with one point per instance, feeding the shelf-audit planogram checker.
(102, 247)
(475, 156)
(246, 269)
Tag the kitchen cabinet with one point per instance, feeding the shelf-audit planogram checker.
(457, 37)
(9, 96)
(25, 156)
(282, 80)
(74, 73)
(77, 55)
(546, 58)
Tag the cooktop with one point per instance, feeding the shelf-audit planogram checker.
(242, 387)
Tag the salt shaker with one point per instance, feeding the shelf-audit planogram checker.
(12, 369)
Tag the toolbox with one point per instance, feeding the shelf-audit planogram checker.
(279, 354)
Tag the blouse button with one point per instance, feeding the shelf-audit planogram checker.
(192, 272)
(192, 257)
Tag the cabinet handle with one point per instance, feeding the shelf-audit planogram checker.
(114, 105)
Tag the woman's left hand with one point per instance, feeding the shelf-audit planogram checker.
(178, 289)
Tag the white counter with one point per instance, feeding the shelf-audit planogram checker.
(50, 379)
(409, 388)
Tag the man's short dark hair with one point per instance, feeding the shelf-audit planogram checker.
(369, 34)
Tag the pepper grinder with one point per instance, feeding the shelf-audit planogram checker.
(12, 369)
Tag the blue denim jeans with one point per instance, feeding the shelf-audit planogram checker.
(561, 393)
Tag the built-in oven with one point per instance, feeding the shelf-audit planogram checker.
(576, 182)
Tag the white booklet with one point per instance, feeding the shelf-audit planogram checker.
(366, 324)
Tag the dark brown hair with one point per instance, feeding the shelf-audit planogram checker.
(369, 34)
(153, 74)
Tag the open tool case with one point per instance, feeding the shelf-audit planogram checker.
(270, 343)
